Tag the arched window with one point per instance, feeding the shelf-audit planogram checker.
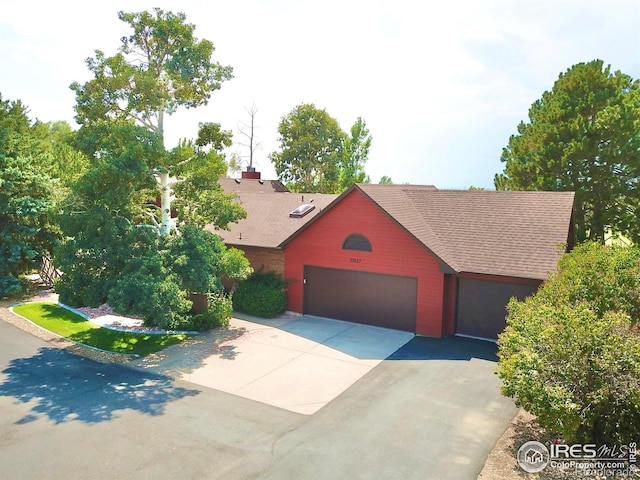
(358, 242)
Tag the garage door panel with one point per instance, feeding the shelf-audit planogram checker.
(370, 298)
(482, 305)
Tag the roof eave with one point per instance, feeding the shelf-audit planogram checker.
(502, 276)
(244, 245)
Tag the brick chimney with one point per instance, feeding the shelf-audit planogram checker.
(251, 173)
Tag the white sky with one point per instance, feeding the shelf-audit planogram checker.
(441, 85)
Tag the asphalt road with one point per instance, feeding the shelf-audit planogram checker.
(432, 410)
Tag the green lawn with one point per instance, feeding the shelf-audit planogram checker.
(74, 327)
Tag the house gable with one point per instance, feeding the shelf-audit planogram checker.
(393, 252)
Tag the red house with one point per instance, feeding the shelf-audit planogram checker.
(434, 262)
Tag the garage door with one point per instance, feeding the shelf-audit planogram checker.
(481, 309)
(371, 298)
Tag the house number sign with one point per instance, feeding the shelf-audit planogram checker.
(355, 260)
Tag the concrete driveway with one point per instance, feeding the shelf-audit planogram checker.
(299, 363)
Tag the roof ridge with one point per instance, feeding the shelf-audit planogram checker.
(440, 248)
(409, 217)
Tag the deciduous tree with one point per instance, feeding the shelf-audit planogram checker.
(160, 67)
(355, 154)
(248, 130)
(311, 145)
(316, 155)
(112, 251)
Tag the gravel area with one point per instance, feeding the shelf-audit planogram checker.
(502, 463)
(106, 317)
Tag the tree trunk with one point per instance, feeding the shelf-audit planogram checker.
(596, 232)
(579, 221)
(200, 302)
(165, 204)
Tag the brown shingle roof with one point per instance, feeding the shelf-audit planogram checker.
(512, 234)
(252, 185)
(268, 223)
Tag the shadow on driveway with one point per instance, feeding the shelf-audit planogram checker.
(190, 354)
(449, 348)
(63, 387)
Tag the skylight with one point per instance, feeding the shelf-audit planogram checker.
(302, 210)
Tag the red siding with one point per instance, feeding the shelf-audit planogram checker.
(450, 293)
(394, 252)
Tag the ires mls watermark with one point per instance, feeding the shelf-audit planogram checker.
(588, 459)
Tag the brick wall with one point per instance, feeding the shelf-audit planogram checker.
(271, 259)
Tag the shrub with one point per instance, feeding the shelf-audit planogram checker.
(159, 301)
(200, 258)
(147, 289)
(95, 257)
(78, 289)
(571, 353)
(219, 312)
(578, 373)
(262, 294)
(9, 285)
(221, 308)
(607, 278)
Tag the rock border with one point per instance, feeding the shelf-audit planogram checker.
(80, 349)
